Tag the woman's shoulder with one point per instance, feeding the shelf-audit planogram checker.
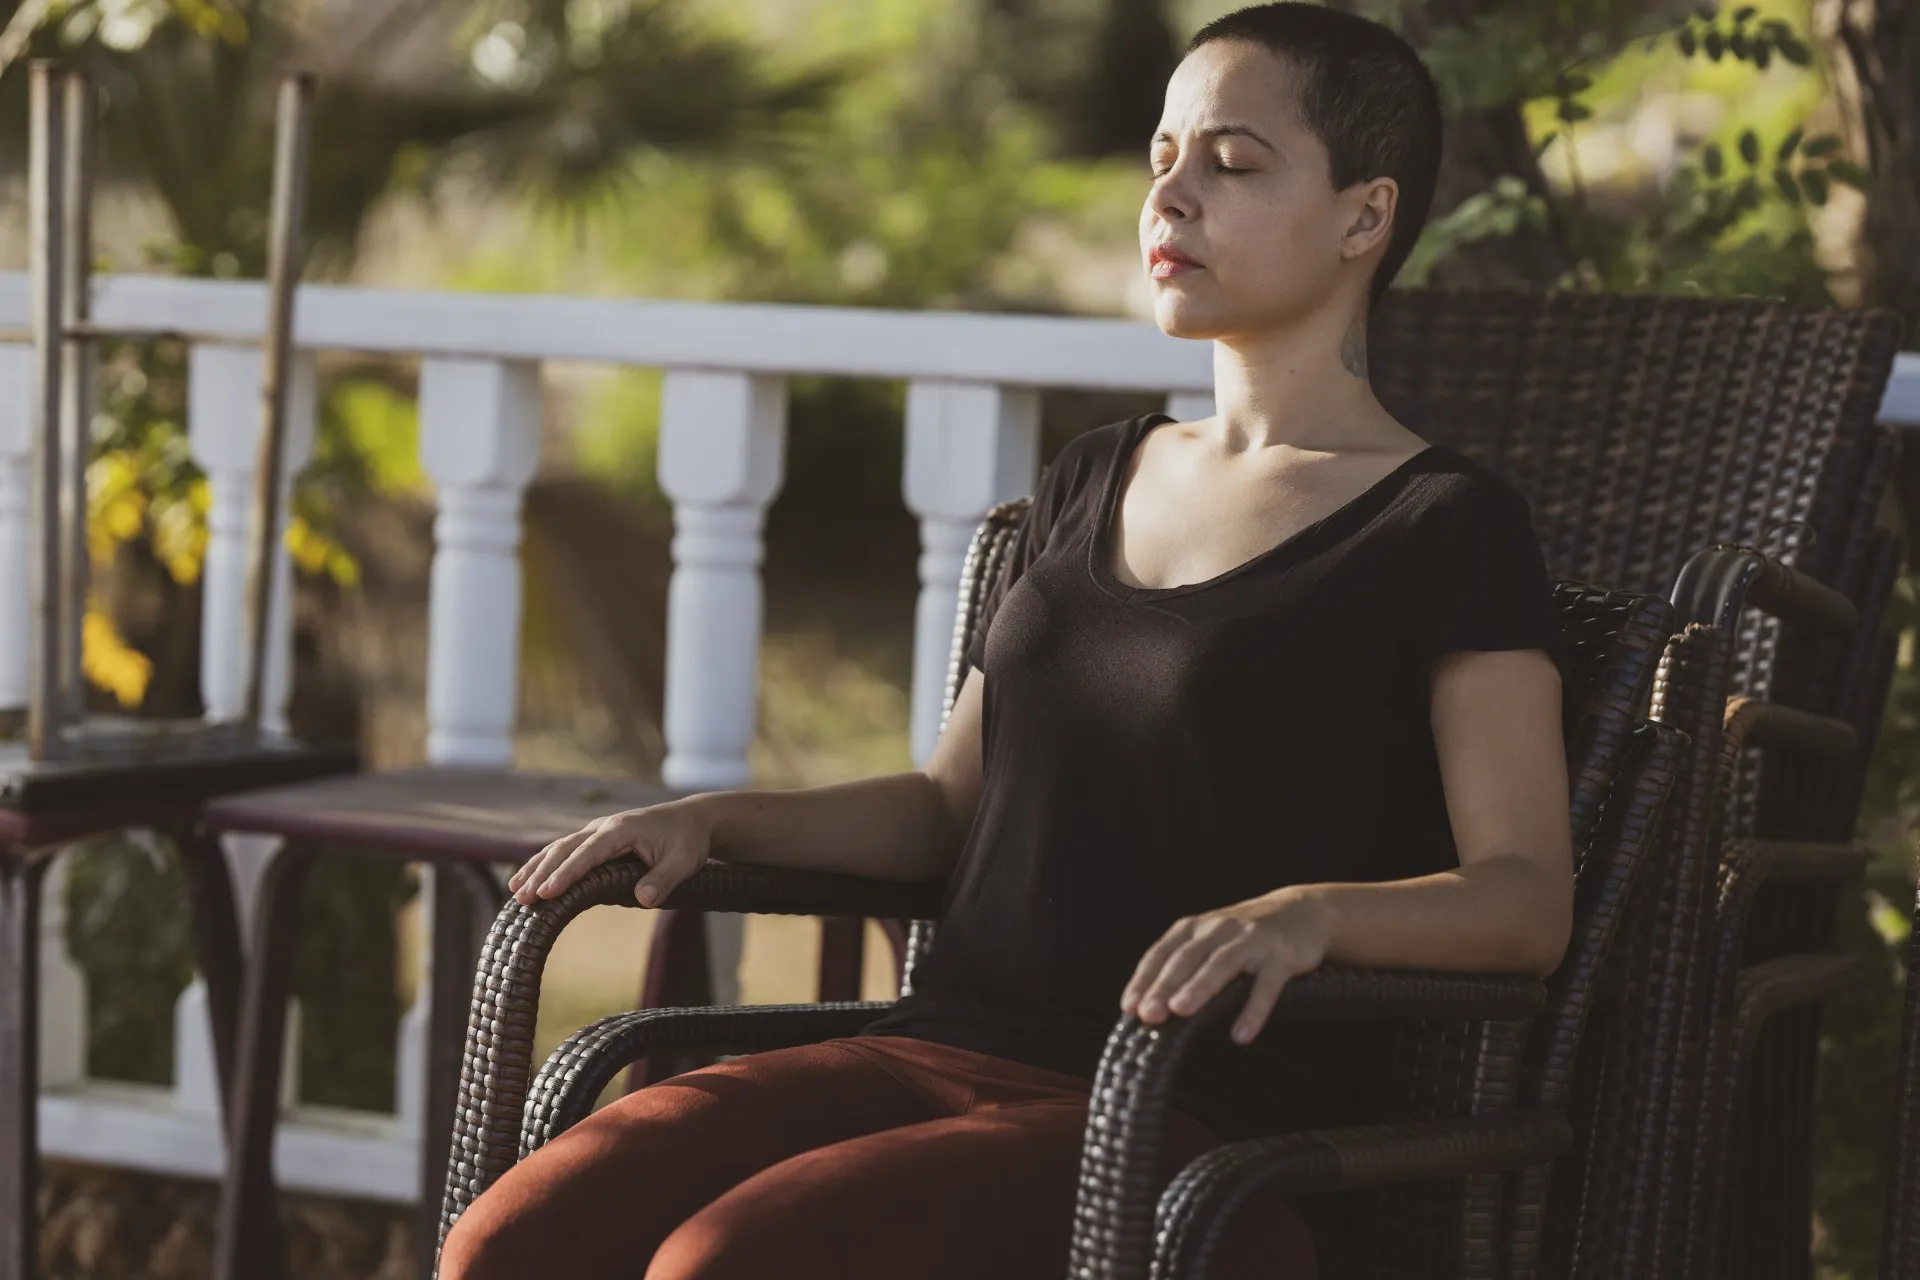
(1081, 466)
(1455, 486)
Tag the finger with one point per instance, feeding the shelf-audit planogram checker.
(1181, 965)
(541, 865)
(1149, 967)
(611, 839)
(1268, 982)
(1227, 962)
(663, 879)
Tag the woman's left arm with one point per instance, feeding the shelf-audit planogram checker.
(1508, 906)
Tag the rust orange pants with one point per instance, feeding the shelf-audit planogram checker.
(857, 1158)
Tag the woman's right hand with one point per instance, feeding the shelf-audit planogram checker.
(673, 839)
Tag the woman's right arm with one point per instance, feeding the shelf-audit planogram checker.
(898, 826)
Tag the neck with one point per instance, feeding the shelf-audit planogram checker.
(1304, 386)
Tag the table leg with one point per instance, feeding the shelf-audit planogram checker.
(678, 975)
(247, 1241)
(19, 1063)
(216, 945)
(843, 948)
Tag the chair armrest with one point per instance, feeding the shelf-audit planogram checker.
(1719, 581)
(1133, 1086)
(1752, 722)
(727, 886)
(1747, 867)
(497, 1066)
(1194, 1212)
(1353, 994)
(1772, 987)
(587, 1061)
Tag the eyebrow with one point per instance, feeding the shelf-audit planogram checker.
(1222, 131)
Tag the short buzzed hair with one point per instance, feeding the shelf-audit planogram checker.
(1365, 94)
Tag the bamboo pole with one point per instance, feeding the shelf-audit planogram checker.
(46, 189)
(283, 269)
(76, 382)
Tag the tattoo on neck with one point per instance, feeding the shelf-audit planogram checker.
(1353, 348)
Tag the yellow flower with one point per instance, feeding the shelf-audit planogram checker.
(110, 662)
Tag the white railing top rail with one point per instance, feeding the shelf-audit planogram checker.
(1051, 351)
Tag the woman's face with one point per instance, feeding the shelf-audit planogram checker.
(1243, 190)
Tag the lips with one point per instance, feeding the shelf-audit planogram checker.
(1164, 260)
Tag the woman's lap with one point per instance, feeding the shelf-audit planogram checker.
(870, 1156)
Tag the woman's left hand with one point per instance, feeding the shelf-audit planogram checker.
(1273, 937)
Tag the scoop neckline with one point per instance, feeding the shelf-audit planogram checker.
(1100, 545)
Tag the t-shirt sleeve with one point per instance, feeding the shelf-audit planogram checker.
(1487, 586)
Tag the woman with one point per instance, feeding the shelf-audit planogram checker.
(1273, 688)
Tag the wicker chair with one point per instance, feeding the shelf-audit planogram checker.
(1474, 1073)
(1644, 430)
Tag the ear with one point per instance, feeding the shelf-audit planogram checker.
(1372, 203)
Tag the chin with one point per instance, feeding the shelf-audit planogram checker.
(1180, 317)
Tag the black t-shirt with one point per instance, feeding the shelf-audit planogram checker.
(1156, 753)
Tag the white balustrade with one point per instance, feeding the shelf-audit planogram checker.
(16, 524)
(223, 428)
(969, 446)
(480, 443)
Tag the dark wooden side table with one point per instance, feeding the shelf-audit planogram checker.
(43, 807)
(461, 820)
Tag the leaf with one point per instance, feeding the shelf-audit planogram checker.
(1737, 43)
(1573, 112)
(1745, 13)
(1762, 54)
(1814, 182)
(1788, 187)
(1575, 84)
(1716, 45)
(1750, 146)
(1789, 144)
(1794, 51)
(1713, 161)
(1824, 145)
(1850, 174)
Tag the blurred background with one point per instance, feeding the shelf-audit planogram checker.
(985, 155)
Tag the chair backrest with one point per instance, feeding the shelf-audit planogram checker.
(1644, 428)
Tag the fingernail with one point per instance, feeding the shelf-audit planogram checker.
(646, 895)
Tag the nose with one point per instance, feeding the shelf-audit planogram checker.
(1169, 199)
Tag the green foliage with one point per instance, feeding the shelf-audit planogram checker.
(1729, 216)
(127, 930)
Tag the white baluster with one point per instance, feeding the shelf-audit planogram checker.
(196, 1083)
(16, 523)
(1190, 406)
(480, 442)
(722, 445)
(969, 445)
(223, 423)
(63, 989)
(722, 448)
(410, 1044)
